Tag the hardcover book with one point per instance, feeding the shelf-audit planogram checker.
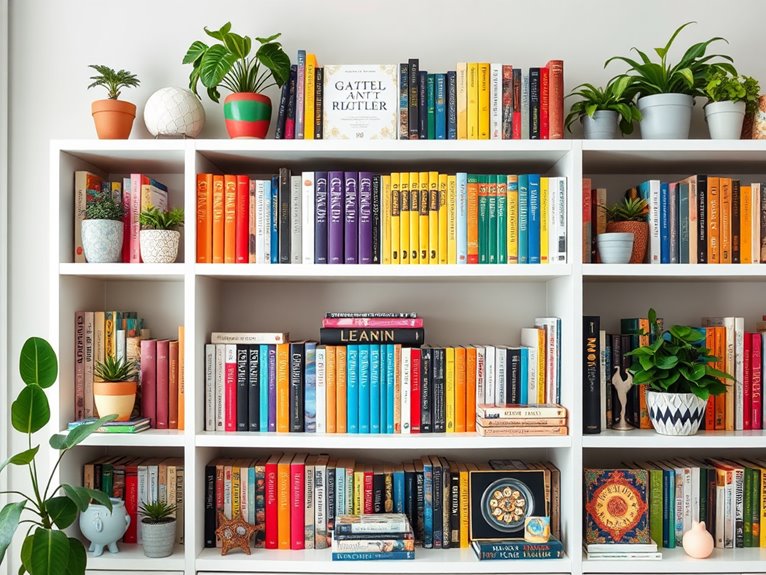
(616, 508)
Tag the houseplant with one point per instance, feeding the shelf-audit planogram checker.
(159, 528)
(676, 367)
(666, 91)
(159, 240)
(44, 509)
(729, 97)
(629, 215)
(102, 228)
(227, 64)
(602, 110)
(115, 386)
(113, 117)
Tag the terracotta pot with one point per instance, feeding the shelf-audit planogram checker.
(114, 118)
(115, 397)
(247, 115)
(640, 231)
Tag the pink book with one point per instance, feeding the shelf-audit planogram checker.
(135, 210)
(230, 388)
(415, 390)
(297, 505)
(376, 322)
(747, 385)
(755, 378)
(271, 504)
(163, 384)
(126, 206)
(149, 380)
(242, 220)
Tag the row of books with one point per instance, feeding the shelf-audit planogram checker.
(137, 481)
(296, 498)
(135, 194)
(700, 219)
(367, 218)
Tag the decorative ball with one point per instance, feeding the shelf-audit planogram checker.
(174, 112)
(697, 542)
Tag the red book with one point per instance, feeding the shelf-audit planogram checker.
(755, 378)
(163, 384)
(368, 489)
(272, 507)
(544, 103)
(173, 384)
(230, 388)
(415, 390)
(242, 225)
(148, 380)
(555, 70)
(131, 501)
(376, 322)
(126, 195)
(297, 502)
(747, 385)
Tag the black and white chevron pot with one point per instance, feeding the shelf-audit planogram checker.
(675, 413)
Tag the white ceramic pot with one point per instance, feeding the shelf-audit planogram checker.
(665, 116)
(102, 241)
(602, 126)
(675, 413)
(724, 120)
(159, 246)
(615, 247)
(174, 112)
(103, 527)
(159, 538)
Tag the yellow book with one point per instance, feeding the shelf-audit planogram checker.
(358, 490)
(484, 101)
(283, 501)
(512, 211)
(762, 493)
(541, 353)
(414, 218)
(385, 225)
(464, 496)
(452, 219)
(110, 334)
(449, 388)
(283, 387)
(745, 229)
(462, 101)
(725, 212)
(443, 248)
(308, 97)
(404, 218)
(330, 388)
(472, 119)
(395, 218)
(433, 217)
(424, 229)
(545, 207)
(235, 490)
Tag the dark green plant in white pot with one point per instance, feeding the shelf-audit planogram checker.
(729, 98)
(677, 368)
(160, 235)
(602, 110)
(102, 229)
(158, 528)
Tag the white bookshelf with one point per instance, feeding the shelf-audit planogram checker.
(461, 304)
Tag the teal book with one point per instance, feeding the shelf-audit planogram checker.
(533, 212)
(340, 491)
(523, 219)
(383, 389)
(263, 404)
(398, 481)
(310, 388)
(372, 555)
(428, 503)
(390, 383)
(492, 219)
(251, 495)
(440, 130)
(364, 388)
(462, 217)
(502, 220)
(524, 376)
(668, 508)
(352, 389)
(483, 218)
(375, 388)
(431, 106)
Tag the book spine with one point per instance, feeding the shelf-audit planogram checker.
(404, 92)
(319, 104)
(336, 221)
(484, 97)
(274, 246)
(365, 238)
(284, 193)
(414, 99)
(320, 217)
(297, 505)
(534, 103)
(440, 107)
(271, 504)
(300, 99)
(230, 388)
(308, 230)
(241, 220)
(461, 81)
(544, 103)
(230, 219)
(377, 239)
(423, 104)
(591, 387)
(253, 388)
(284, 98)
(452, 107)
(295, 252)
(343, 336)
(351, 218)
(297, 383)
(242, 418)
(149, 380)
(291, 103)
(556, 99)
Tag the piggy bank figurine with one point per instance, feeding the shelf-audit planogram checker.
(104, 528)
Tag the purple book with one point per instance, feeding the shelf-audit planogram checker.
(335, 222)
(320, 217)
(272, 387)
(351, 229)
(365, 217)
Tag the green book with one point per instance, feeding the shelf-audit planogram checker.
(107, 479)
(756, 507)
(703, 494)
(483, 219)
(431, 106)
(502, 220)
(492, 219)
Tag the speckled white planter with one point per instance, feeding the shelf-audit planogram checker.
(159, 246)
(102, 241)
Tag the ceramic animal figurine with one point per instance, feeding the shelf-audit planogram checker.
(623, 387)
(697, 542)
(103, 528)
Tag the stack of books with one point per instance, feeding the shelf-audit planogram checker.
(486, 549)
(373, 537)
(619, 551)
(513, 419)
(135, 425)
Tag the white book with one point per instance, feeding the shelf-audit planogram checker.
(550, 325)
(309, 492)
(260, 222)
(120, 344)
(462, 216)
(730, 512)
(242, 338)
(739, 373)
(525, 105)
(481, 395)
(220, 384)
(653, 199)
(673, 224)
(695, 493)
(296, 220)
(755, 222)
(406, 368)
(154, 481)
(531, 374)
(489, 374)
(501, 357)
(321, 392)
(267, 212)
(209, 387)
(462, 100)
(603, 383)
(320, 502)
(495, 101)
(720, 516)
(307, 233)
(561, 215)
(143, 495)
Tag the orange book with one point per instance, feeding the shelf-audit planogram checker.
(204, 218)
(556, 99)
(218, 202)
(229, 219)
(713, 221)
(710, 409)
(330, 402)
(470, 388)
(643, 410)
(283, 500)
(340, 389)
(283, 388)
(724, 210)
(720, 352)
(460, 390)
(745, 227)
(181, 380)
(472, 227)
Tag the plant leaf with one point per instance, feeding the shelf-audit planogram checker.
(80, 433)
(30, 412)
(26, 552)
(269, 39)
(38, 363)
(77, 557)
(274, 58)
(50, 552)
(99, 496)
(62, 511)
(215, 64)
(22, 458)
(77, 495)
(9, 520)
(219, 34)
(195, 51)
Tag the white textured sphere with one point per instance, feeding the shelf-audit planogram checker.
(174, 112)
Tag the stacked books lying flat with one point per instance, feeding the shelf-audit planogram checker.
(622, 551)
(509, 419)
(133, 426)
(516, 549)
(373, 537)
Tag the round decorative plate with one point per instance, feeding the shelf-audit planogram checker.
(506, 503)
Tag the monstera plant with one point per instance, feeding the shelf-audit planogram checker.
(41, 507)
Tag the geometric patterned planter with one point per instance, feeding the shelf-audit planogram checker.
(159, 246)
(675, 413)
(102, 241)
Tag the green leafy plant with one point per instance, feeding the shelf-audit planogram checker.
(688, 76)
(677, 362)
(101, 206)
(112, 369)
(112, 80)
(616, 96)
(157, 512)
(724, 87)
(44, 509)
(628, 210)
(228, 64)
(156, 219)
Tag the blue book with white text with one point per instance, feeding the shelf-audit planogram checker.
(524, 376)
(310, 385)
(375, 370)
(390, 388)
(534, 215)
(352, 389)
(364, 388)
(523, 218)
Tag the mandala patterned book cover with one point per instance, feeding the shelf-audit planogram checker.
(616, 506)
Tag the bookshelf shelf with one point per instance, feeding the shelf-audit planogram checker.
(675, 560)
(148, 438)
(159, 272)
(674, 272)
(648, 439)
(131, 557)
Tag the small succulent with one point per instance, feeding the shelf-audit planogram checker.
(157, 512)
(113, 369)
(155, 219)
(628, 210)
(112, 80)
(101, 206)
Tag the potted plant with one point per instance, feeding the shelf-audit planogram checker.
(45, 508)
(629, 216)
(227, 64)
(602, 110)
(159, 238)
(729, 97)
(115, 386)
(113, 117)
(676, 367)
(158, 528)
(102, 228)
(666, 91)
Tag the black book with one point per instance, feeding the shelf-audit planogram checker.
(410, 494)
(703, 493)
(404, 101)
(292, 94)
(517, 92)
(591, 374)
(97, 477)
(452, 105)
(454, 517)
(422, 105)
(378, 490)
(408, 337)
(513, 375)
(284, 99)
(702, 219)
(319, 104)
(242, 389)
(446, 505)
(437, 500)
(426, 390)
(414, 97)
(330, 497)
(376, 259)
(735, 224)
(210, 506)
(439, 415)
(297, 386)
(284, 215)
(419, 502)
(254, 387)
(534, 103)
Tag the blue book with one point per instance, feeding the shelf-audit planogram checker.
(372, 555)
(668, 508)
(683, 223)
(428, 503)
(375, 371)
(462, 217)
(524, 376)
(558, 360)
(452, 105)
(533, 213)
(390, 388)
(664, 223)
(399, 490)
(441, 106)
(310, 388)
(352, 389)
(320, 217)
(263, 366)
(274, 219)
(351, 220)
(523, 219)
(251, 495)
(364, 388)
(272, 387)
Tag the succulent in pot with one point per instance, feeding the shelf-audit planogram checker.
(158, 528)
(602, 110)
(113, 117)
(629, 216)
(102, 228)
(159, 234)
(730, 98)
(115, 386)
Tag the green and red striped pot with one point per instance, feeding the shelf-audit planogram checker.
(247, 115)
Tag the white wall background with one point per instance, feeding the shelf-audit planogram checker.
(52, 42)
